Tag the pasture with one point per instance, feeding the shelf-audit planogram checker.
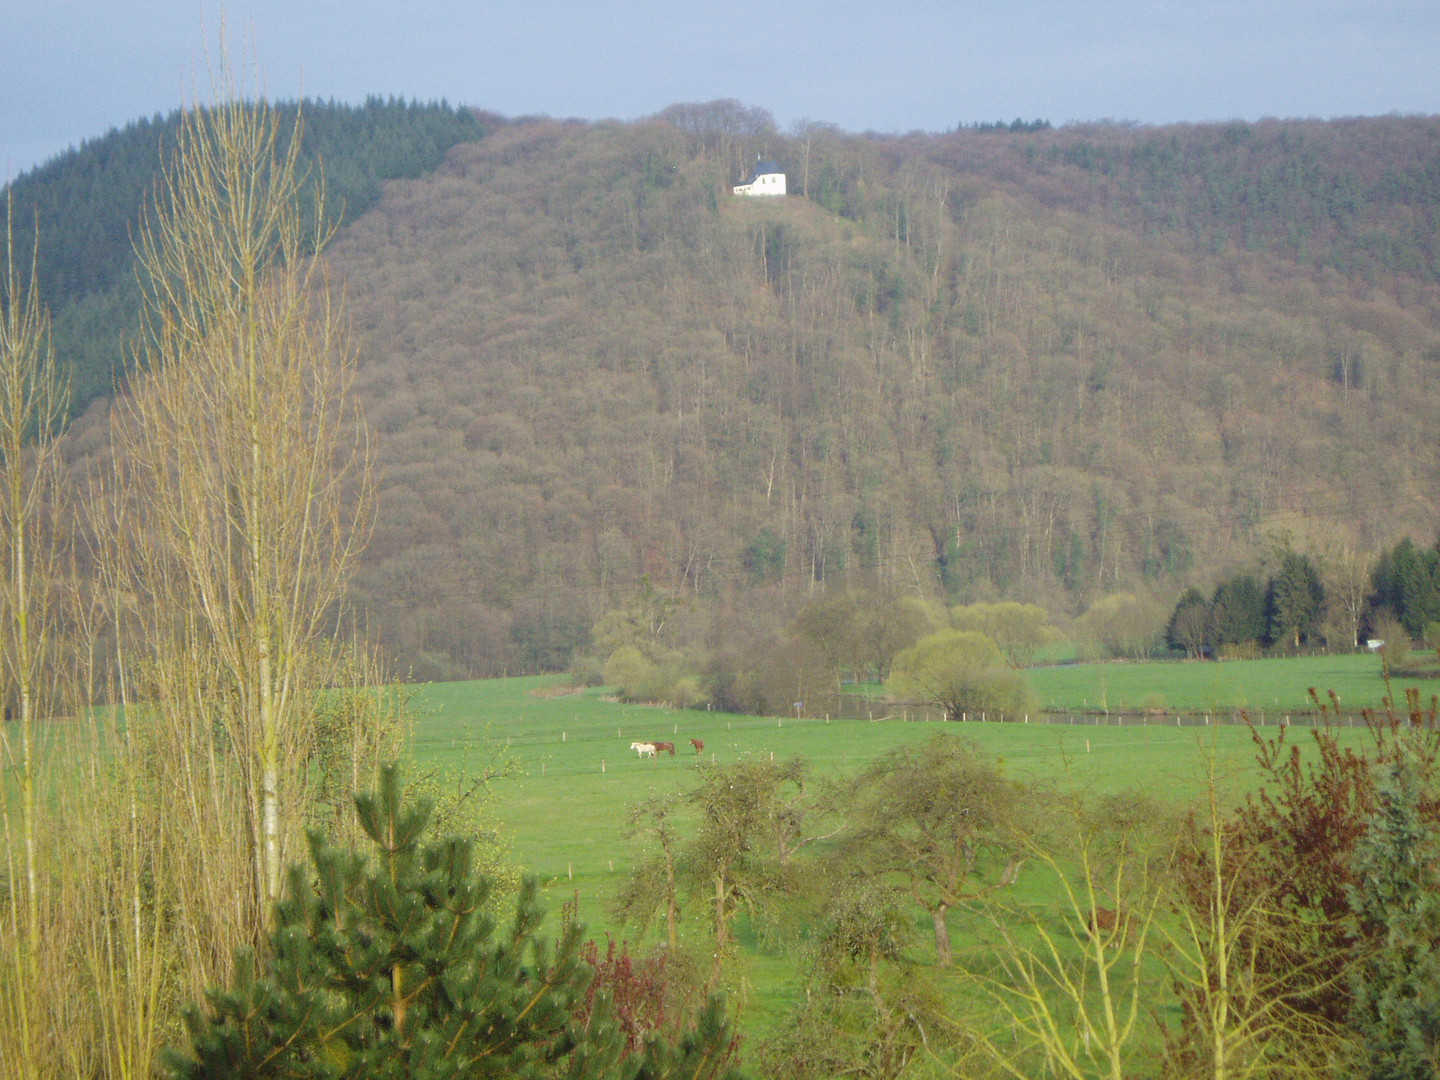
(1272, 687)
(563, 809)
(564, 812)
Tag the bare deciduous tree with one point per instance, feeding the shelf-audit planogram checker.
(244, 463)
(1072, 996)
(32, 405)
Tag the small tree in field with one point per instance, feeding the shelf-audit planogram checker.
(938, 820)
(752, 824)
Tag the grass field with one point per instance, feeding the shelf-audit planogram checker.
(1272, 686)
(563, 812)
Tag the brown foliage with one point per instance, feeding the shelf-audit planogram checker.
(1288, 851)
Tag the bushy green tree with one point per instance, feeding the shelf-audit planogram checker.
(939, 822)
(741, 857)
(394, 967)
(1018, 629)
(771, 677)
(833, 624)
(1188, 623)
(963, 672)
(1123, 625)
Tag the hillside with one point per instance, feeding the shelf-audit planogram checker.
(1035, 364)
(87, 203)
(1043, 365)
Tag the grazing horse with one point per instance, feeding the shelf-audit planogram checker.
(643, 748)
(665, 746)
(699, 745)
(1109, 924)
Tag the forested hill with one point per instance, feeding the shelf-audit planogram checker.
(87, 202)
(1043, 365)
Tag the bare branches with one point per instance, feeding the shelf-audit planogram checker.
(1072, 994)
(32, 404)
(242, 460)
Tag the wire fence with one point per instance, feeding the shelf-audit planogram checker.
(877, 710)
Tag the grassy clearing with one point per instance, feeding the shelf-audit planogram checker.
(563, 812)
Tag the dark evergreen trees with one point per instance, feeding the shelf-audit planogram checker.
(392, 967)
(1237, 612)
(87, 203)
(1294, 602)
(1189, 623)
(1407, 584)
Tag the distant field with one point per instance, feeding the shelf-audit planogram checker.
(564, 814)
(1270, 686)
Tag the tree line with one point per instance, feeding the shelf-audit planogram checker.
(1397, 601)
(922, 376)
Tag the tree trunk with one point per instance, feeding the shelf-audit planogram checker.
(672, 908)
(942, 935)
(721, 935)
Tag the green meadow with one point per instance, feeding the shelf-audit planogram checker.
(576, 775)
(562, 808)
(1271, 686)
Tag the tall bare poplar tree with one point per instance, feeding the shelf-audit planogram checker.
(243, 463)
(32, 404)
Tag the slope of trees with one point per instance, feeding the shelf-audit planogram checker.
(1037, 365)
(588, 364)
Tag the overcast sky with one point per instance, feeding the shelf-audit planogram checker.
(73, 69)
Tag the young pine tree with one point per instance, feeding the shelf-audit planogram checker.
(391, 967)
(1396, 899)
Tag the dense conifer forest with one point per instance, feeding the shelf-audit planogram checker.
(87, 204)
(1024, 363)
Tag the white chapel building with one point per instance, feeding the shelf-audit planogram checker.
(766, 180)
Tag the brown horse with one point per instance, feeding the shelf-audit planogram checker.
(698, 745)
(1109, 925)
(665, 746)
